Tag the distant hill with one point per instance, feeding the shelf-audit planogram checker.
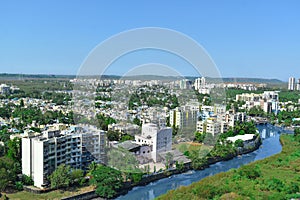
(249, 80)
(7, 76)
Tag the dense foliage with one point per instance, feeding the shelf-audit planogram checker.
(107, 180)
(60, 178)
(286, 96)
(276, 177)
(152, 96)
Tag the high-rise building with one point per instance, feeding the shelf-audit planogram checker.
(199, 83)
(76, 147)
(291, 85)
(298, 85)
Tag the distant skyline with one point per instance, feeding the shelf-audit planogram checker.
(257, 39)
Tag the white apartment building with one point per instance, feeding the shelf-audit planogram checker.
(298, 85)
(159, 139)
(199, 83)
(291, 85)
(77, 147)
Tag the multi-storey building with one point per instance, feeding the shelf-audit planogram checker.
(199, 83)
(291, 85)
(76, 147)
(184, 117)
(211, 125)
(298, 85)
(159, 139)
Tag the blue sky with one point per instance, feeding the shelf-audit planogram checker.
(245, 38)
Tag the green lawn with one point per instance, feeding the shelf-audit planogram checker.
(191, 146)
(276, 177)
(56, 194)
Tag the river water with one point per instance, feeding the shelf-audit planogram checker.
(270, 146)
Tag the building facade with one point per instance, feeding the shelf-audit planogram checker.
(160, 140)
(76, 147)
(291, 85)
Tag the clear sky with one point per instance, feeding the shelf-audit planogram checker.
(245, 38)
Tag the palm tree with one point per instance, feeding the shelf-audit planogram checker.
(92, 167)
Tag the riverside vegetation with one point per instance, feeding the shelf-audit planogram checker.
(276, 177)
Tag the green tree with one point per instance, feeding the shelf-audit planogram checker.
(199, 137)
(8, 172)
(60, 178)
(169, 160)
(126, 137)
(92, 167)
(239, 143)
(107, 180)
(77, 176)
(113, 135)
(137, 121)
(21, 103)
(14, 150)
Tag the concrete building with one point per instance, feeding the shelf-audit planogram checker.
(291, 85)
(211, 125)
(4, 89)
(160, 140)
(185, 84)
(199, 83)
(184, 117)
(76, 147)
(298, 85)
(125, 128)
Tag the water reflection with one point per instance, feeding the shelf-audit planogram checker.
(270, 146)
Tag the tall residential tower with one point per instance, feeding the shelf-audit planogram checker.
(291, 85)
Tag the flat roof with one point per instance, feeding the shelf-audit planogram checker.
(241, 137)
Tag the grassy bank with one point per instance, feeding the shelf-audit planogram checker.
(56, 194)
(276, 177)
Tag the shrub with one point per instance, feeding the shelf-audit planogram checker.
(249, 172)
(19, 185)
(239, 143)
(27, 180)
(275, 184)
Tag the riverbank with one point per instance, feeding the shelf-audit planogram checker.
(248, 147)
(276, 177)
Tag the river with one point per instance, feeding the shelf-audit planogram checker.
(270, 146)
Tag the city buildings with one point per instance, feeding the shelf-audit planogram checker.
(125, 128)
(267, 101)
(6, 89)
(77, 147)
